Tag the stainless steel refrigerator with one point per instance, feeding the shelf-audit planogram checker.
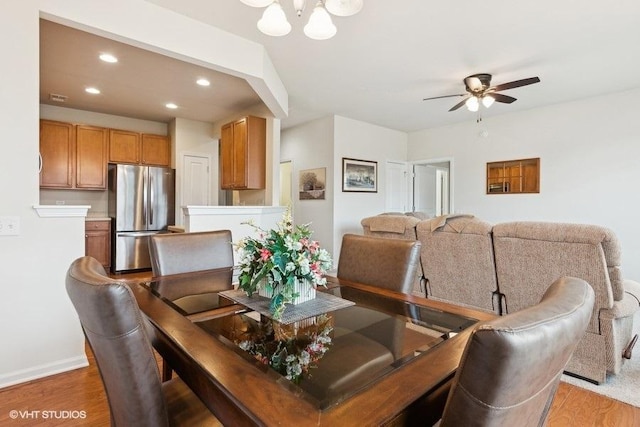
(141, 204)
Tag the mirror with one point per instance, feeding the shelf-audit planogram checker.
(513, 176)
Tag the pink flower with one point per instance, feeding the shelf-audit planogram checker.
(264, 254)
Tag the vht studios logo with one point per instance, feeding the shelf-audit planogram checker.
(48, 415)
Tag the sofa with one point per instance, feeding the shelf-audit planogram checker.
(503, 268)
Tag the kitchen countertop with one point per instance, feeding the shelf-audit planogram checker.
(97, 218)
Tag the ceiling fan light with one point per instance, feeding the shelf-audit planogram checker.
(343, 7)
(320, 26)
(488, 101)
(274, 21)
(257, 3)
(472, 103)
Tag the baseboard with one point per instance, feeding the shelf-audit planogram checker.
(42, 371)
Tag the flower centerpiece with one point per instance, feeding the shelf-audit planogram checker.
(282, 262)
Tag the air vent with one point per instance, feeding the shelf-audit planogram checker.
(58, 98)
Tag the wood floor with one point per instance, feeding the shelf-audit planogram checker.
(77, 398)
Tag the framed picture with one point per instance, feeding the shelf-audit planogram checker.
(359, 175)
(312, 184)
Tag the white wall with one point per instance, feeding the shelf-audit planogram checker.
(323, 143)
(359, 140)
(38, 325)
(589, 159)
(310, 146)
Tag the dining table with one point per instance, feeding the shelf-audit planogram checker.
(356, 355)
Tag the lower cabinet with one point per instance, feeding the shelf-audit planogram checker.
(97, 241)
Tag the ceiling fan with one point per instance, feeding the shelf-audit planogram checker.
(479, 90)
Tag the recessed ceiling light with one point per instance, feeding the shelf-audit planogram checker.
(171, 105)
(106, 57)
(203, 82)
(92, 90)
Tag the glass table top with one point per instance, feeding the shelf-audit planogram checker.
(329, 357)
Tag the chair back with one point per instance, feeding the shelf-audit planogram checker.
(392, 226)
(120, 339)
(175, 253)
(457, 261)
(511, 366)
(378, 261)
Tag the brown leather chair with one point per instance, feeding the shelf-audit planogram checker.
(175, 253)
(378, 261)
(120, 337)
(511, 366)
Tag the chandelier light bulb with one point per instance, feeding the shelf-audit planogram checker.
(472, 104)
(343, 7)
(488, 100)
(257, 3)
(320, 26)
(274, 21)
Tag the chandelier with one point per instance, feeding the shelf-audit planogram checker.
(319, 27)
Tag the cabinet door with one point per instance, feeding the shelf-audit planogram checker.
(240, 154)
(226, 156)
(97, 240)
(124, 146)
(91, 157)
(156, 150)
(57, 148)
(255, 153)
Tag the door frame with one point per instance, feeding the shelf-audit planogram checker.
(434, 161)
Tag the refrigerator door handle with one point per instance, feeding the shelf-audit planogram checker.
(152, 201)
(135, 233)
(145, 183)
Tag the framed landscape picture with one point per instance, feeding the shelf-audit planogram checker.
(359, 175)
(312, 184)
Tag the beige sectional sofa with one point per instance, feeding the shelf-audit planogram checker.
(506, 267)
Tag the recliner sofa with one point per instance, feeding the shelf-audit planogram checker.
(460, 254)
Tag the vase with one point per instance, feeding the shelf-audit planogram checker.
(303, 287)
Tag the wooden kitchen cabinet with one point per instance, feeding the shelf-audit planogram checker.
(73, 157)
(139, 148)
(156, 150)
(243, 154)
(97, 241)
(57, 154)
(91, 157)
(124, 146)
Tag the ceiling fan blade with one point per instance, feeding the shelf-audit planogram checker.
(516, 83)
(458, 105)
(502, 98)
(443, 96)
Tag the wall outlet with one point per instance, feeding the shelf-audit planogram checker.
(9, 225)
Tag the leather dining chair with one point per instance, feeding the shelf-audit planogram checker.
(175, 253)
(377, 261)
(511, 366)
(120, 338)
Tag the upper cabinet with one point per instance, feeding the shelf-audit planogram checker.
(73, 156)
(243, 154)
(57, 154)
(139, 148)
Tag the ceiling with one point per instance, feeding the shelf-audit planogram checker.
(382, 62)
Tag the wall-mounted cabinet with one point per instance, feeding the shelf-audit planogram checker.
(73, 157)
(139, 148)
(243, 154)
(513, 176)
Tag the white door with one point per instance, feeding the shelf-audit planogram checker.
(397, 195)
(424, 189)
(196, 181)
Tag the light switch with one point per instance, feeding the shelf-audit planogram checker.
(9, 225)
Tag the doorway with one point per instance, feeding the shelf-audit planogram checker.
(426, 185)
(286, 186)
